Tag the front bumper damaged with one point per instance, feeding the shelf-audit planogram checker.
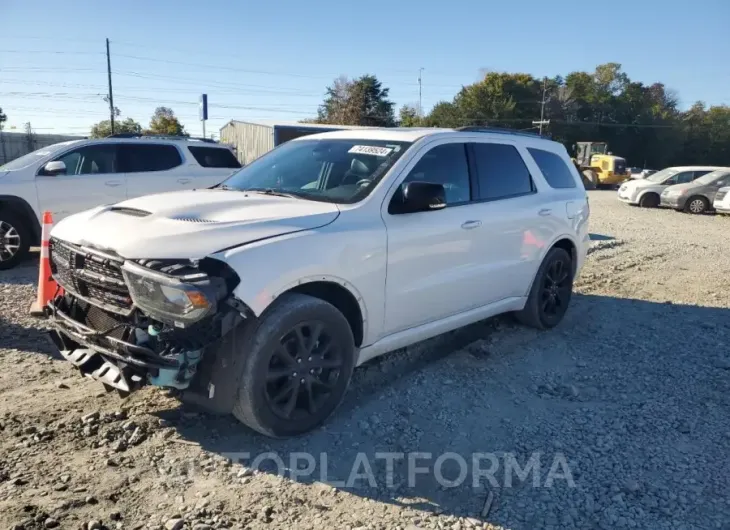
(117, 363)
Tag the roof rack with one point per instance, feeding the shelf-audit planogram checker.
(497, 130)
(161, 137)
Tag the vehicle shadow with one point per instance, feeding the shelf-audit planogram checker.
(28, 339)
(501, 391)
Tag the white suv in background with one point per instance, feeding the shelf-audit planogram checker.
(646, 192)
(260, 296)
(69, 177)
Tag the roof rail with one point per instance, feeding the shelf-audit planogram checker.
(161, 137)
(497, 130)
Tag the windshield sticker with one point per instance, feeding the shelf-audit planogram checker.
(370, 150)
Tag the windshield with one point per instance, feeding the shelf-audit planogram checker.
(662, 175)
(332, 170)
(711, 177)
(31, 158)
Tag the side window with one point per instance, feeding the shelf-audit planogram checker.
(445, 164)
(501, 171)
(698, 174)
(685, 176)
(137, 158)
(553, 168)
(90, 159)
(214, 157)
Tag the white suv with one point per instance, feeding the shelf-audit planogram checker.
(69, 177)
(260, 296)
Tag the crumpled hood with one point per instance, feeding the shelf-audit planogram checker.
(191, 224)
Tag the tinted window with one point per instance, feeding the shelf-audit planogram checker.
(214, 157)
(153, 157)
(445, 164)
(90, 159)
(555, 171)
(698, 174)
(501, 170)
(686, 176)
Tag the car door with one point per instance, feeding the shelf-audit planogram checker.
(518, 222)
(433, 264)
(90, 178)
(151, 168)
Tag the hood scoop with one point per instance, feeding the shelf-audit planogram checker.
(190, 219)
(134, 212)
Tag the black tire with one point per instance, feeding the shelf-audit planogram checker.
(14, 232)
(697, 205)
(271, 366)
(557, 269)
(649, 200)
(590, 180)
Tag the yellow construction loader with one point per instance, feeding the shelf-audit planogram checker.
(598, 167)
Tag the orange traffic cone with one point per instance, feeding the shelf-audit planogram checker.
(47, 286)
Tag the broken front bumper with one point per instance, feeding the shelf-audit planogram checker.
(116, 363)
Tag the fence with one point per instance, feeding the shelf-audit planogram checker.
(16, 144)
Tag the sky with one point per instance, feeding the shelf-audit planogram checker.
(273, 59)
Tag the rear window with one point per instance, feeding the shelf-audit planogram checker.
(138, 158)
(214, 157)
(554, 169)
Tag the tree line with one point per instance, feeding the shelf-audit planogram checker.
(642, 123)
(163, 122)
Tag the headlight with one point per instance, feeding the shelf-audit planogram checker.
(169, 299)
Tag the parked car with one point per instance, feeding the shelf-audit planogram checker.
(260, 296)
(639, 173)
(647, 192)
(69, 177)
(698, 196)
(721, 204)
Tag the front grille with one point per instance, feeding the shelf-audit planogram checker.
(91, 276)
(720, 195)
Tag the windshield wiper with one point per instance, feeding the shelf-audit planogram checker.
(272, 191)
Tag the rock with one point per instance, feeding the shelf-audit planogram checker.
(111, 462)
(62, 386)
(93, 525)
(51, 523)
(137, 437)
(91, 500)
(119, 446)
(115, 516)
(89, 419)
(174, 524)
(245, 472)
(202, 526)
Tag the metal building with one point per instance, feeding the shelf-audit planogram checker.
(250, 140)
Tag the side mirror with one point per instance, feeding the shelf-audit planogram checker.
(56, 167)
(419, 196)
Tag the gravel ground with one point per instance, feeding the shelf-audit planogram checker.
(622, 412)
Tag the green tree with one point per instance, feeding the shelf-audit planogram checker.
(408, 116)
(362, 101)
(104, 128)
(166, 123)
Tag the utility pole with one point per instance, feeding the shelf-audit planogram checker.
(542, 121)
(420, 93)
(111, 96)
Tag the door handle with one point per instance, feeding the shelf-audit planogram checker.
(545, 212)
(183, 181)
(113, 183)
(468, 225)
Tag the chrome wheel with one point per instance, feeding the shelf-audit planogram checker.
(697, 206)
(303, 371)
(9, 241)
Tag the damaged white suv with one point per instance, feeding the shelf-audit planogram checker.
(259, 296)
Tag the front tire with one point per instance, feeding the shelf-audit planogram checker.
(550, 293)
(298, 365)
(649, 200)
(696, 205)
(14, 239)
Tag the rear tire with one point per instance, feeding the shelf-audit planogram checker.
(297, 367)
(697, 205)
(14, 239)
(649, 200)
(550, 293)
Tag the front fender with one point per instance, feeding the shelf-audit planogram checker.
(269, 268)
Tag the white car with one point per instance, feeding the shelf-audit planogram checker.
(260, 296)
(646, 192)
(639, 173)
(721, 203)
(69, 177)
